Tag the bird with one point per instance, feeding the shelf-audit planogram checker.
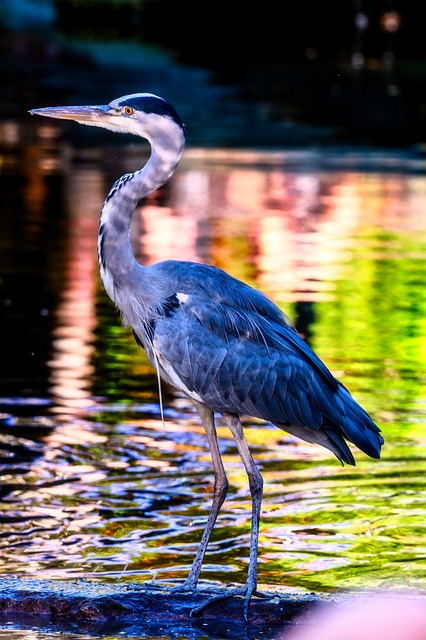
(222, 343)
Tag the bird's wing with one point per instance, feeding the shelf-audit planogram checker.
(228, 346)
(240, 361)
(229, 308)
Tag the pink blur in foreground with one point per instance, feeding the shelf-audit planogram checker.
(376, 618)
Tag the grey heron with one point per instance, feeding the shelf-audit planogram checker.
(219, 341)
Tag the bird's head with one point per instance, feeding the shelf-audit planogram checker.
(142, 114)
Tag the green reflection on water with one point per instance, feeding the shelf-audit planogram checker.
(323, 527)
(376, 328)
(369, 530)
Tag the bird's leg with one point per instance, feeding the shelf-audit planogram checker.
(256, 490)
(219, 493)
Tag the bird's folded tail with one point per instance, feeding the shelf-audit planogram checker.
(327, 437)
(358, 427)
(355, 425)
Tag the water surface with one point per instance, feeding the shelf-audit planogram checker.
(93, 483)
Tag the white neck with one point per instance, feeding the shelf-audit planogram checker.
(118, 266)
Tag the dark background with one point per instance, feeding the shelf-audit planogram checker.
(241, 73)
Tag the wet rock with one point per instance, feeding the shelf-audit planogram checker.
(86, 606)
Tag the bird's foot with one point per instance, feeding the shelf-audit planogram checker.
(184, 587)
(247, 592)
(212, 595)
(160, 585)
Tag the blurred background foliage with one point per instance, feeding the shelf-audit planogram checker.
(355, 69)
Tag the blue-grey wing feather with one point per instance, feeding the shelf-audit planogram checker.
(235, 349)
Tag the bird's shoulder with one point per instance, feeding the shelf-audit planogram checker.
(209, 286)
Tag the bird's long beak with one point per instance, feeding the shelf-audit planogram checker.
(97, 115)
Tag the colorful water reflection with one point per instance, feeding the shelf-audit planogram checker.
(94, 485)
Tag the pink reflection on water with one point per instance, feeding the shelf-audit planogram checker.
(161, 232)
(71, 363)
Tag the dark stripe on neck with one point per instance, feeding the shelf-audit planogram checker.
(101, 248)
(118, 184)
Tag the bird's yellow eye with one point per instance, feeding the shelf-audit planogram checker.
(128, 111)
